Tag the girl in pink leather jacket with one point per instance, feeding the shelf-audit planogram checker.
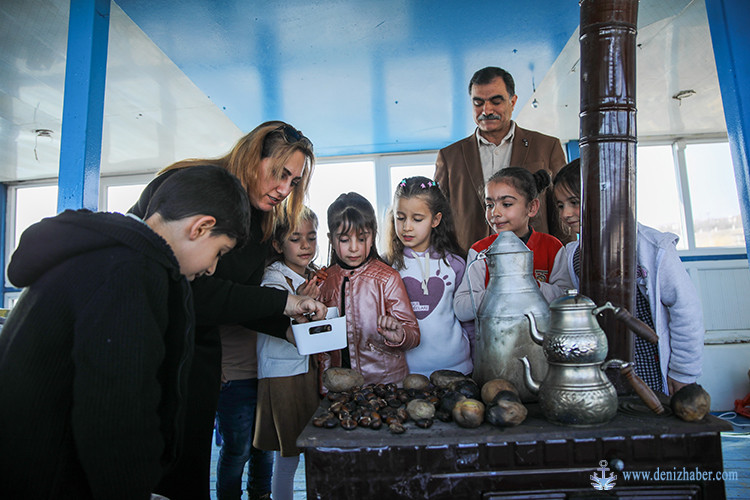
(380, 323)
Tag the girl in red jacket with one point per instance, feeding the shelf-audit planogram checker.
(380, 323)
(511, 200)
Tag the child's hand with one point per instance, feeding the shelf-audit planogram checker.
(321, 274)
(310, 288)
(391, 329)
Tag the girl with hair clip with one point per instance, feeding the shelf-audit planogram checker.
(666, 299)
(422, 247)
(380, 323)
(511, 199)
(287, 380)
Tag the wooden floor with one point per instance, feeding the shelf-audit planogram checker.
(735, 447)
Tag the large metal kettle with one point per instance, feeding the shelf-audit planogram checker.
(575, 390)
(503, 334)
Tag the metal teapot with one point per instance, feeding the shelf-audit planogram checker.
(575, 390)
(502, 330)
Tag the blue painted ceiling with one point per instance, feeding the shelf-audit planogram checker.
(187, 78)
(356, 76)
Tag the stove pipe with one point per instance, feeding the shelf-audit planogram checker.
(607, 145)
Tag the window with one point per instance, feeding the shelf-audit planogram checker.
(657, 195)
(713, 195)
(121, 198)
(29, 203)
(32, 204)
(331, 179)
(374, 177)
(689, 189)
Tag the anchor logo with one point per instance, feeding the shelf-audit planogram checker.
(603, 482)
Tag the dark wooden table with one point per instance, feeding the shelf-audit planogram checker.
(536, 459)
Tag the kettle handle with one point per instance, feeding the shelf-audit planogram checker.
(646, 394)
(634, 324)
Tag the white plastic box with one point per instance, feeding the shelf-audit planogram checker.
(320, 336)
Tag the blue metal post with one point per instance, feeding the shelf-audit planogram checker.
(573, 150)
(83, 105)
(728, 21)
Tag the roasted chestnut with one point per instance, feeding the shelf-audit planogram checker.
(424, 423)
(396, 428)
(348, 424)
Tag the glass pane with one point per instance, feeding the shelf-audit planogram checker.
(402, 172)
(121, 198)
(327, 183)
(658, 203)
(32, 205)
(713, 193)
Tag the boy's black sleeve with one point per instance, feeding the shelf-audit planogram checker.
(118, 351)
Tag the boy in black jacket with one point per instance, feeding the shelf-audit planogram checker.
(94, 356)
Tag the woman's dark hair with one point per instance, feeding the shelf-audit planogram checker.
(569, 177)
(486, 75)
(351, 212)
(528, 184)
(443, 236)
(204, 190)
(284, 230)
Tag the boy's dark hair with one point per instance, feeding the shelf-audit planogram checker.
(204, 190)
(569, 177)
(351, 211)
(442, 237)
(486, 75)
(528, 184)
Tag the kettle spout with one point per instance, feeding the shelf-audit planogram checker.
(531, 384)
(536, 335)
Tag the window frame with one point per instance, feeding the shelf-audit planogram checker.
(382, 168)
(120, 180)
(678, 146)
(10, 293)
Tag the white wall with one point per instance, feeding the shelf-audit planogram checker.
(724, 289)
(725, 374)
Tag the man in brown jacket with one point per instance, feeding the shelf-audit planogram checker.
(462, 168)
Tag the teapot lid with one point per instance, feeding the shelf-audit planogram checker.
(572, 300)
(507, 242)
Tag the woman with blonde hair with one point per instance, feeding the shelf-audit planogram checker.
(274, 163)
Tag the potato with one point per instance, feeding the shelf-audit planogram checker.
(467, 387)
(492, 387)
(419, 409)
(416, 381)
(443, 378)
(505, 396)
(337, 379)
(506, 413)
(469, 413)
(449, 400)
(691, 403)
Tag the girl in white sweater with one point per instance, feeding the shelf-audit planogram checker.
(666, 298)
(422, 247)
(287, 381)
